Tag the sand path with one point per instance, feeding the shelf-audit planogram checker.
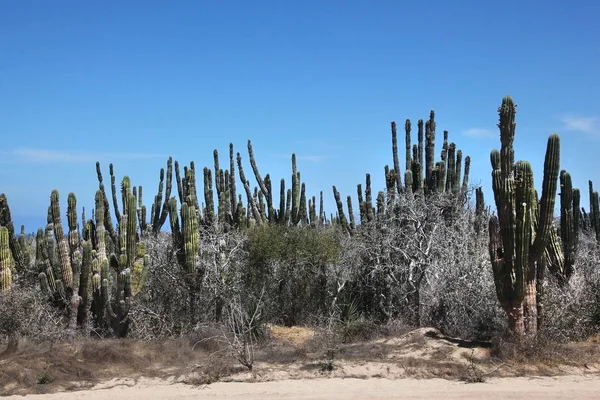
(565, 387)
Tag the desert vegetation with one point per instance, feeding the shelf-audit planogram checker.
(235, 261)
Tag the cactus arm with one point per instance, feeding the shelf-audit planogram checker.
(546, 213)
(340, 208)
(397, 175)
(232, 183)
(6, 261)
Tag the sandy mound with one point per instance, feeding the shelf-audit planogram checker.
(295, 353)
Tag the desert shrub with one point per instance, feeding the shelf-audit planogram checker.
(460, 296)
(423, 263)
(160, 308)
(24, 312)
(572, 310)
(291, 264)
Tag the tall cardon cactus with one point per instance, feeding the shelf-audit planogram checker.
(521, 232)
(6, 261)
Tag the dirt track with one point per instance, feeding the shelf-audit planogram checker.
(572, 387)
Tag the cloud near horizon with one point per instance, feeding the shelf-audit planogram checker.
(29, 154)
(480, 133)
(589, 125)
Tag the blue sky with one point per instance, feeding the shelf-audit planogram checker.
(133, 82)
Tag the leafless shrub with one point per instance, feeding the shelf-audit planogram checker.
(423, 263)
(25, 313)
(572, 310)
(460, 297)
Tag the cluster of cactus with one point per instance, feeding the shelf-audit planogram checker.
(437, 177)
(140, 209)
(229, 212)
(128, 259)
(8, 246)
(591, 219)
(192, 218)
(63, 267)
(522, 236)
(18, 249)
(74, 268)
(570, 217)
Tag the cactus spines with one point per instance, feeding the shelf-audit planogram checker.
(6, 261)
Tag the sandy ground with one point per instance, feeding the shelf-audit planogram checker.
(572, 387)
(419, 364)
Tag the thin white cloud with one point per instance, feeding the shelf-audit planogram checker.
(311, 158)
(34, 155)
(589, 125)
(479, 133)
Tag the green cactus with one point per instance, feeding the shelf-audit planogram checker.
(108, 224)
(408, 165)
(160, 208)
(86, 270)
(479, 209)
(350, 213)
(397, 176)
(209, 211)
(594, 212)
(60, 276)
(261, 183)
(21, 262)
(232, 186)
(63, 245)
(6, 261)
(110, 306)
(341, 215)
(569, 224)
(253, 211)
(521, 232)
(282, 204)
(429, 150)
(186, 241)
(321, 209)
(465, 183)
